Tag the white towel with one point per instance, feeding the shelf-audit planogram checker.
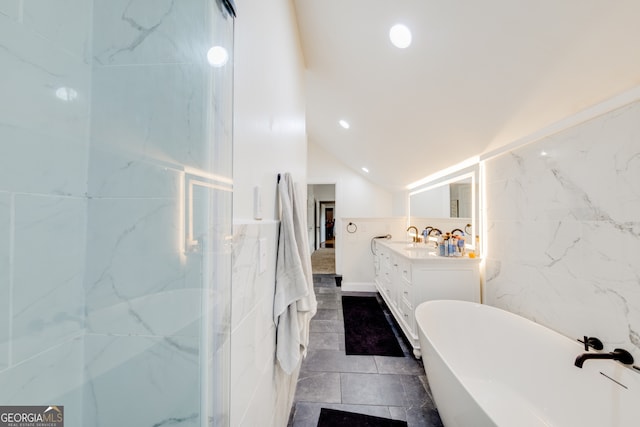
(294, 301)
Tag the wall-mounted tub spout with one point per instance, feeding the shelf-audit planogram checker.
(622, 356)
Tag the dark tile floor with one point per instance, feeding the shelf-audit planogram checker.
(390, 387)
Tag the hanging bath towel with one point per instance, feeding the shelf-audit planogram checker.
(294, 301)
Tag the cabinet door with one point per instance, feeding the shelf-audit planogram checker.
(443, 283)
(384, 279)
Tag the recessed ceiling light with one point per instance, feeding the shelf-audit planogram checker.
(365, 169)
(344, 124)
(400, 36)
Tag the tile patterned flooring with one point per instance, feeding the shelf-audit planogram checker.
(389, 387)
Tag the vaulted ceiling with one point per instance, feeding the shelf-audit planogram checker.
(478, 75)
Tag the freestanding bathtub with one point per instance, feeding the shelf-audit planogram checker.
(489, 367)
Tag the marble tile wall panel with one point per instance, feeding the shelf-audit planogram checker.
(10, 8)
(135, 264)
(52, 377)
(564, 230)
(51, 21)
(44, 137)
(141, 381)
(149, 31)
(256, 380)
(48, 265)
(250, 287)
(5, 277)
(136, 122)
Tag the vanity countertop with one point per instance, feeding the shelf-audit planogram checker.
(420, 252)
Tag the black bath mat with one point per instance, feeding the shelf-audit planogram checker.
(335, 418)
(366, 330)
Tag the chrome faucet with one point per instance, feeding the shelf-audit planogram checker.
(415, 238)
(622, 356)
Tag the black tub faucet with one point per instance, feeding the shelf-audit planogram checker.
(622, 356)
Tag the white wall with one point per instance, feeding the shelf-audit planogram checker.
(269, 138)
(358, 270)
(269, 121)
(356, 197)
(563, 233)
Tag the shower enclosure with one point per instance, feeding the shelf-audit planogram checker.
(115, 209)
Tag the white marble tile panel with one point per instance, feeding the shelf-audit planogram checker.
(45, 164)
(34, 69)
(52, 377)
(150, 31)
(219, 363)
(5, 277)
(218, 290)
(125, 174)
(250, 287)
(48, 263)
(133, 250)
(141, 381)
(66, 23)
(9, 8)
(166, 313)
(563, 231)
(151, 112)
(253, 330)
(253, 351)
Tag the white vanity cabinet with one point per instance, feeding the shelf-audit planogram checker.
(405, 278)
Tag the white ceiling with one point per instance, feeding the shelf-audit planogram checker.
(478, 75)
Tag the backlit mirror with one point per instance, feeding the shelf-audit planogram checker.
(451, 201)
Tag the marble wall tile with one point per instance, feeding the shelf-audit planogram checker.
(256, 380)
(66, 23)
(48, 263)
(10, 9)
(125, 174)
(563, 232)
(141, 381)
(44, 137)
(52, 377)
(5, 277)
(46, 164)
(250, 287)
(133, 252)
(34, 70)
(149, 31)
(149, 113)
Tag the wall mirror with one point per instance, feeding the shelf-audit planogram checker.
(453, 198)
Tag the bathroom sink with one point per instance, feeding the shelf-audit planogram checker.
(421, 251)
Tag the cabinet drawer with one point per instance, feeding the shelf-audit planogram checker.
(407, 315)
(406, 293)
(404, 270)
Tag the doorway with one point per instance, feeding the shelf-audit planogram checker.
(321, 225)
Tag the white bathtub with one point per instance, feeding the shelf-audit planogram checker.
(489, 367)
